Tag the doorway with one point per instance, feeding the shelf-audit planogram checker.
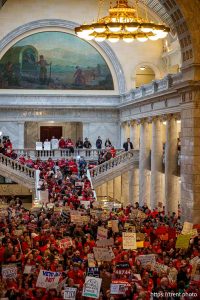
(46, 132)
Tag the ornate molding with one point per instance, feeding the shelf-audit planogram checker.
(70, 26)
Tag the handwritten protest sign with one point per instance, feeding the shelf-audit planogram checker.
(70, 293)
(9, 271)
(129, 240)
(183, 241)
(117, 289)
(28, 269)
(66, 242)
(92, 287)
(103, 254)
(105, 243)
(115, 226)
(76, 219)
(159, 268)
(18, 232)
(187, 227)
(146, 259)
(91, 261)
(102, 233)
(47, 279)
(93, 271)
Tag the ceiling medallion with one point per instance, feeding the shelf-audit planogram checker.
(122, 23)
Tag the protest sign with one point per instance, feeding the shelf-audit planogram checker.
(86, 204)
(109, 224)
(183, 241)
(158, 268)
(187, 227)
(18, 232)
(123, 268)
(102, 233)
(38, 146)
(28, 269)
(92, 287)
(117, 289)
(146, 259)
(140, 244)
(140, 236)
(129, 240)
(47, 279)
(102, 254)
(9, 271)
(115, 226)
(105, 243)
(70, 293)
(66, 242)
(85, 219)
(93, 271)
(91, 261)
(76, 219)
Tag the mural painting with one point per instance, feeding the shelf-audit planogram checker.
(54, 60)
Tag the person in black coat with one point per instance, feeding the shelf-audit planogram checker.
(128, 145)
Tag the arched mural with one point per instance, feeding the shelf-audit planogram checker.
(54, 60)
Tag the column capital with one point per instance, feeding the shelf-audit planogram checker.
(167, 117)
(177, 116)
(153, 119)
(141, 121)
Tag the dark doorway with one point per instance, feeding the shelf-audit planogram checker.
(46, 132)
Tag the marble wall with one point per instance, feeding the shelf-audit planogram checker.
(15, 132)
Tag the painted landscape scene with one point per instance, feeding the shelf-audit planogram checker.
(54, 60)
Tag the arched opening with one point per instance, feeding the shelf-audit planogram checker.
(144, 75)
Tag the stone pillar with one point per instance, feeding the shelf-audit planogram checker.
(156, 163)
(125, 188)
(21, 135)
(117, 189)
(144, 163)
(171, 178)
(104, 190)
(134, 134)
(190, 155)
(133, 185)
(110, 188)
(86, 130)
(123, 135)
(127, 130)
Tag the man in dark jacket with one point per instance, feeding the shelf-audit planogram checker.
(99, 143)
(128, 145)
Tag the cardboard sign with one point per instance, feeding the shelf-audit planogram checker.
(66, 243)
(38, 146)
(129, 240)
(102, 233)
(9, 271)
(115, 226)
(93, 272)
(105, 243)
(92, 287)
(146, 259)
(70, 293)
(47, 279)
(187, 227)
(91, 260)
(183, 241)
(103, 254)
(47, 146)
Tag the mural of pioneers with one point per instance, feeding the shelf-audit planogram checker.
(54, 60)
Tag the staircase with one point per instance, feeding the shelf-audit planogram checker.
(17, 172)
(114, 167)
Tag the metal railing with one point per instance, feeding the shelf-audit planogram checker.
(113, 162)
(91, 154)
(15, 165)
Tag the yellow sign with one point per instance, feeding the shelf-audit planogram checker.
(183, 241)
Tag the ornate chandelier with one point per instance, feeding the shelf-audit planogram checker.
(122, 23)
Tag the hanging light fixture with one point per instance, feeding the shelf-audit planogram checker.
(122, 23)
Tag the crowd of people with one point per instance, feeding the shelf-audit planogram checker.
(33, 240)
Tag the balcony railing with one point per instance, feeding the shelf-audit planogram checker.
(121, 159)
(15, 165)
(154, 87)
(88, 154)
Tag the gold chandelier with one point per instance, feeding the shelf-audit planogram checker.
(122, 23)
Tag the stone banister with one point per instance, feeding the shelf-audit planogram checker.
(114, 167)
(152, 88)
(17, 172)
(88, 154)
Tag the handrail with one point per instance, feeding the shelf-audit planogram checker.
(92, 153)
(113, 162)
(15, 165)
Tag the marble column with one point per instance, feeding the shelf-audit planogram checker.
(123, 134)
(156, 194)
(110, 188)
(117, 188)
(127, 130)
(133, 185)
(125, 188)
(144, 163)
(134, 134)
(171, 178)
(21, 135)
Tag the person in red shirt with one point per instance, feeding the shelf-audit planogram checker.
(62, 143)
